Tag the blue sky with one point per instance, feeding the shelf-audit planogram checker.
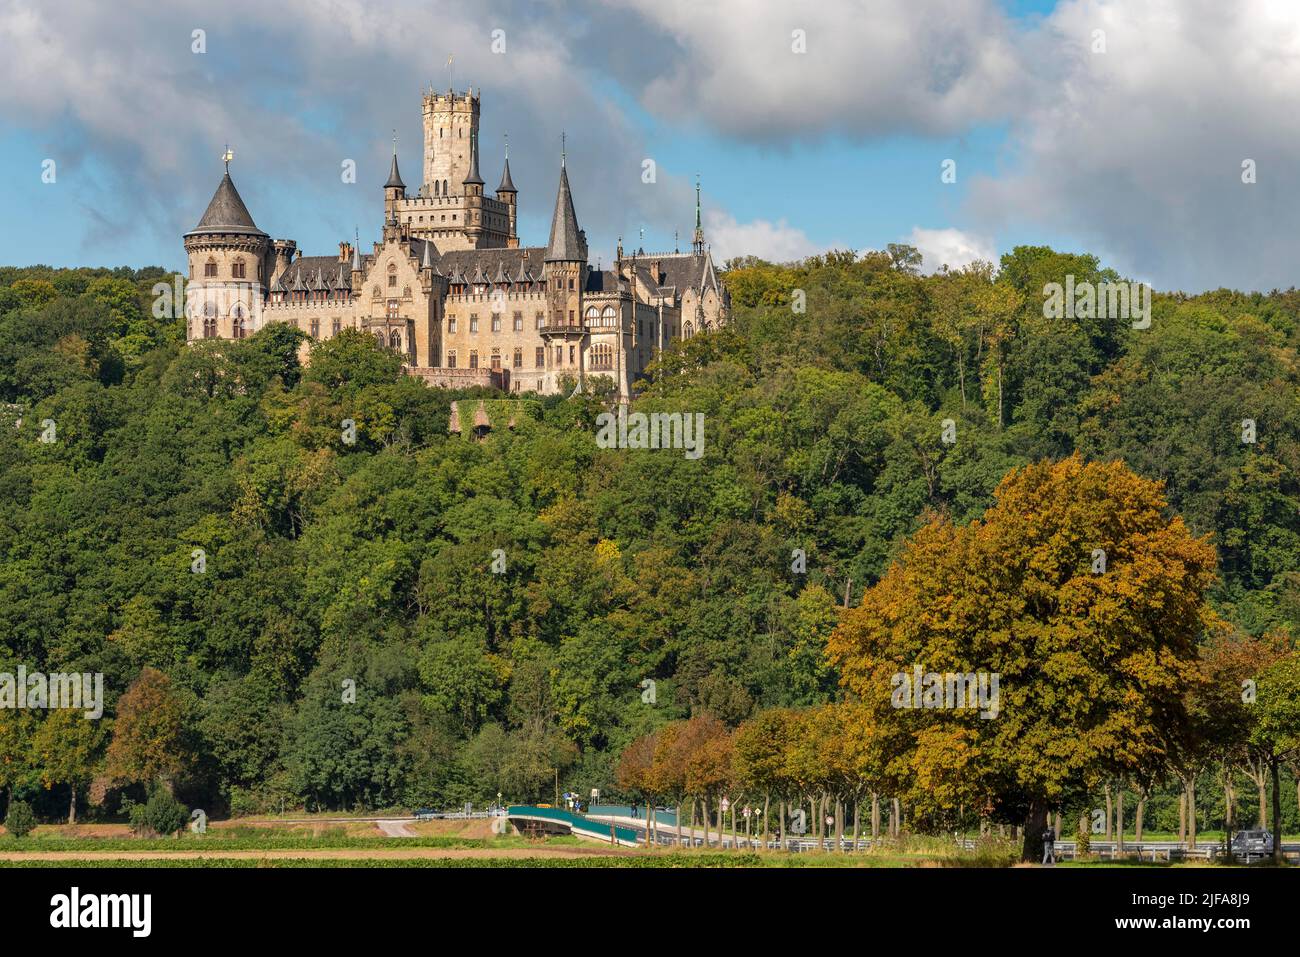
(1131, 152)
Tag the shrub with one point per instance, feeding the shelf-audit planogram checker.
(162, 814)
(20, 820)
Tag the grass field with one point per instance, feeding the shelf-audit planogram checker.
(335, 842)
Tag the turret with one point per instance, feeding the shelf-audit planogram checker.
(507, 193)
(473, 187)
(394, 189)
(229, 262)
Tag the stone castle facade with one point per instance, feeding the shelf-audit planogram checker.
(449, 287)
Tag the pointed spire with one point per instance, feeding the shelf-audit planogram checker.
(566, 243)
(524, 275)
(697, 242)
(473, 176)
(427, 262)
(394, 177)
(500, 278)
(507, 184)
(356, 251)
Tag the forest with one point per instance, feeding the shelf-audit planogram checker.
(898, 468)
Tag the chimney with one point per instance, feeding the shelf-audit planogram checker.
(345, 252)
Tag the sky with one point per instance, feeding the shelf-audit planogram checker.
(1162, 136)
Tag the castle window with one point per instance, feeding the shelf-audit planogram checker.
(496, 360)
(336, 326)
(451, 359)
(571, 355)
(315, 328)
(540, 358)
(392, 281)
(395, 340)
(607, 316)
(210, 268)
(592, 314)
(687, 331)
(473, 358)
(559, 355)
(496, 322)
(519, 322)
(393, 309)
(451, 323)
(570, 285)
(237, 270)
(570, 317)
(239, 325)
(379, 337)
(473, 322)
(540, 320)
(519, 358)
(444, 191)
(209, 327)
(602, 357)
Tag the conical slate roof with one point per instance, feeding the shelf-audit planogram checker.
(500, 278)
(394, 177)
(473, 176)
(566, 240)
(507, 184)
(226, 213)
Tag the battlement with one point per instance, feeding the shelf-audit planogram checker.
(451, 102)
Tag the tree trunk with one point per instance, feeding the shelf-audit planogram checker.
(857, 823)
(765, 832)
(72, 806)
(1031, 846)
(1191, 813)
(679, 824)
(1182, 817)
(780, 828)
(1259, 774)
(1119, 819)
(893, 818)
(1141, 810)
(1277, 813)
(1110, 811)
(839, 825)
(875, 817)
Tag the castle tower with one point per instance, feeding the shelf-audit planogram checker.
(450, 127)
(564, 272)
(473, 189)
(394, 189)
(565, 260)
(230, 261)
(507, 194)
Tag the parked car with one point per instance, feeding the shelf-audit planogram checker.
(425, 814)
(1252, 843)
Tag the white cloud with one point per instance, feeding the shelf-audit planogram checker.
(1137, 151)
(871, 69)
(776, 242)
(951, 247)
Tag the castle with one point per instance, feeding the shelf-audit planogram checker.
(449, 287)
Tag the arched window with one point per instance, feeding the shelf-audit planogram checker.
(688, 330)
(436, 184)
(444, 188)
(607, 316)
(237, 270)
(238, 322)
(395, 340)
(209, 327)
(592, 314)
(379, 337)
(210, 268)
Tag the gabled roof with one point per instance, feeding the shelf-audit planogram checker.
(567, 244)
(226, 213)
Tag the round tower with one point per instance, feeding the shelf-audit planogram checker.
(229, 264)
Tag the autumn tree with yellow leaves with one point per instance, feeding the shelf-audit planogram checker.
(1080, 592)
